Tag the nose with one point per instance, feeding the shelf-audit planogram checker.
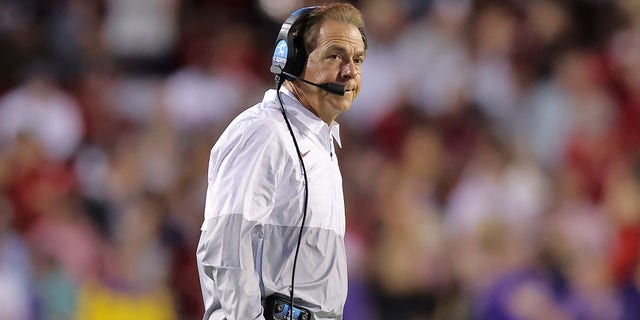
(348, 70)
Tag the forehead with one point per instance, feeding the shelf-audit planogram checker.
(340, 33)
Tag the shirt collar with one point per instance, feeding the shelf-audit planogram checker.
(310, 120)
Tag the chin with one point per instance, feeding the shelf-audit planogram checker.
(343, 104)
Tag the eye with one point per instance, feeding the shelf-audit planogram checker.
(358, 60)
(334, 57)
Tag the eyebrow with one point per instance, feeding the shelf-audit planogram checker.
(342, 49)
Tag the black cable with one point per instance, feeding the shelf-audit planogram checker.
(306, 193)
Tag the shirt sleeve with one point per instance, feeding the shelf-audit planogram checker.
(244, 171)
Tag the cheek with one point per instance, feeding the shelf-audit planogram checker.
(315, 69)
(358, 86)
(320, 76)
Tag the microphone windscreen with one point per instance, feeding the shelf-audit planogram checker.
(334, 88)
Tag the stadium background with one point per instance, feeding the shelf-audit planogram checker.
(490, 165)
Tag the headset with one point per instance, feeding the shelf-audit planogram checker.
(290, 55)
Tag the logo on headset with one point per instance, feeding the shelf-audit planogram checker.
(280, 54)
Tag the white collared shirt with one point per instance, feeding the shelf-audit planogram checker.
(253, 213)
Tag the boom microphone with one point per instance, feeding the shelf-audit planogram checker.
(330, 87)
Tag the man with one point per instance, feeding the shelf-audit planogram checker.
(274, 203)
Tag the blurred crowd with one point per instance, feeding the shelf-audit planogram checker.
(491, 163)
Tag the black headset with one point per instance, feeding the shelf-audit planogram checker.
(290, 55)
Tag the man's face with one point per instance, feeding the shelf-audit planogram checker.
(337, 58)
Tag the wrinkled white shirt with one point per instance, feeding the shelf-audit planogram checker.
(253, 213)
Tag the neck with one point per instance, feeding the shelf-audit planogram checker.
(299, 93)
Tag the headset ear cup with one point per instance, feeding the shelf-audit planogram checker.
(290, 55)
(299, 56)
